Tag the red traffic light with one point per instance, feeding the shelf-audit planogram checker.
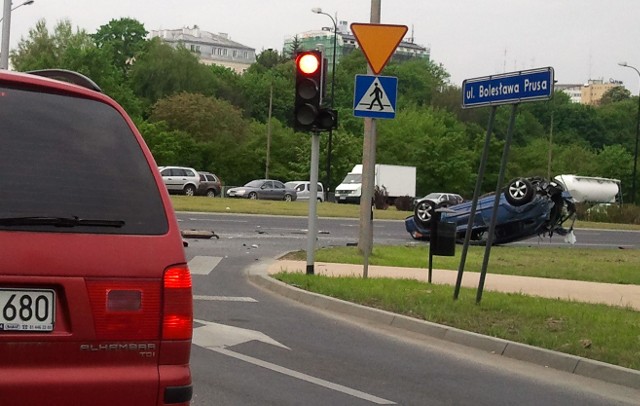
(308, 63)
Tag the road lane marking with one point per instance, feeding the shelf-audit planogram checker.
(304, 377)
(203, 265)
(225, 298)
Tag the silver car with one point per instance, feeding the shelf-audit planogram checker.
(303, 189)
(180, 179)
(264, 189)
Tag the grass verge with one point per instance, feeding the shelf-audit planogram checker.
(599, 332)
(573, 263)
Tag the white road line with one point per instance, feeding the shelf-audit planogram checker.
(225, 298)
(304, 377)
(203, 265)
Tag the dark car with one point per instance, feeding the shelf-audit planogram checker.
(95, 293)
(264, 189)
(527, 207)
(210, 185)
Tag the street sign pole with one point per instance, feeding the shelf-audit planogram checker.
(365, 241)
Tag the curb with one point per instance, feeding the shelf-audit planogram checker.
(522, 352)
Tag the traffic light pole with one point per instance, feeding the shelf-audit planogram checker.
(312, 228)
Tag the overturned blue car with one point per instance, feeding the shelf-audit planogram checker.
(527, 207)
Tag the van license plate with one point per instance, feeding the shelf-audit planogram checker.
(27, 309)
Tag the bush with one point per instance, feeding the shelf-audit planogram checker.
(614, 213)
(380, 196)
(404, 203)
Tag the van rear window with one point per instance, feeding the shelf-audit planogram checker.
(72, 157)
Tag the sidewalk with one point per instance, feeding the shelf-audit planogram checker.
(590, 292)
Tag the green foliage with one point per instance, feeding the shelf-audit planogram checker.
(163, 71)
(124, 39)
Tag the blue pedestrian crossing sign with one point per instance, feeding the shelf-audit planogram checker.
(375, 96)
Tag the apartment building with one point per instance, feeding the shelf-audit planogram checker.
(211, 49)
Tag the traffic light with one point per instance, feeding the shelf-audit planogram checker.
(309, 81)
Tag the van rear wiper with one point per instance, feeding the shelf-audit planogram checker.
(59, 222)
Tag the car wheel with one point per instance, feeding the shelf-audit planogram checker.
(253, 195)
(519, 192)
(211, 193)
(424, 212)
(189, 190)
(319, 200)
(287, 198)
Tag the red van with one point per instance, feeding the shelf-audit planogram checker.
(96, 305)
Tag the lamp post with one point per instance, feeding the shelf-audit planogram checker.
(318, 10)
(6, 26)
(635, 153)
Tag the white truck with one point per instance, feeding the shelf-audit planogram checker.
(396, 179)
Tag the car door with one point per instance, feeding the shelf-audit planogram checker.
(278, 190)
(169, 178)
(266, 190)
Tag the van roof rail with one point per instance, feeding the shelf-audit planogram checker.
(67, 76)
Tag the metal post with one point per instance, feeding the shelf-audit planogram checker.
(496, 202)
(474, 202)
(6, 28)
(333, 80)
(312, 227)
(635, 152)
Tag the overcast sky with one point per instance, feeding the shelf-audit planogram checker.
(580, 39)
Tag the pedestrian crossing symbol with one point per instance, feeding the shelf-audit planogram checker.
(375, 96)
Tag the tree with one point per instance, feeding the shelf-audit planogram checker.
(163, 71)
(614, 95)
(216, 126)
(76, 51)
(124, 38)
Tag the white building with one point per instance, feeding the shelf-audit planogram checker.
(211, 49)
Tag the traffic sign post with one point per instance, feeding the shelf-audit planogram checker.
(509, 88)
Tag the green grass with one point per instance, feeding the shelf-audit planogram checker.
(599, 332)
(326, 209)
(584, 264)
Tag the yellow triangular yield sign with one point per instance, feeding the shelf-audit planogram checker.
(378, 42)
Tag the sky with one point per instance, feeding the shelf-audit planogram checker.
(579, 39)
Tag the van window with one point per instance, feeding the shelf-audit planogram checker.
(73, 157)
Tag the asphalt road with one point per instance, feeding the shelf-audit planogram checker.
(254, 348)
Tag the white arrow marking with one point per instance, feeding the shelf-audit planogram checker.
(216, 337)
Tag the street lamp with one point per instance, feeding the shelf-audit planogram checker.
(635, 153)
(318, 10)
(6, 24)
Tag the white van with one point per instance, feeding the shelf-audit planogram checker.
(303, 188)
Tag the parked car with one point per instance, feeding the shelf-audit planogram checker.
(209, 185)
(527, 207)
(95, 292)
(264, 189)
(303, 189)
(180, 179)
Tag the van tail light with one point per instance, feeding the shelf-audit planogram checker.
(125, 309)
(177, 315)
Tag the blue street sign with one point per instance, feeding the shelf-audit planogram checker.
(508, 88)
(375, 96)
